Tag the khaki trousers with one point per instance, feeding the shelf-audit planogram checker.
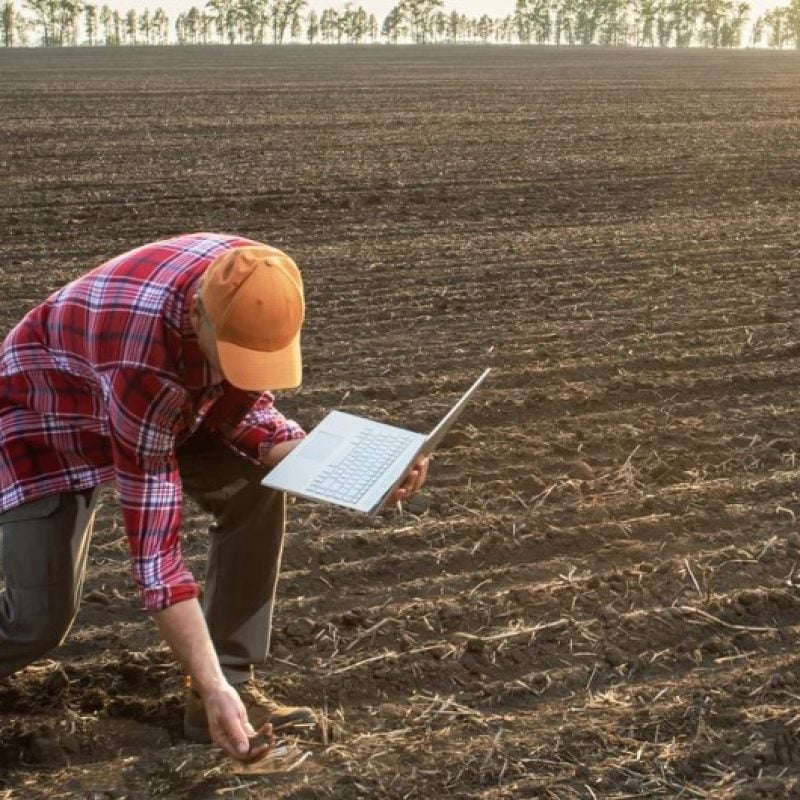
(45, 545)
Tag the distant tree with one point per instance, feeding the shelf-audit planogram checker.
(146, 26)
(66, 26)
(295, 10)
(14, 26)
(220, 13)
(45, 18)
(505, 29)
(393, 25)
(757, 31)
(485, 28)
(712, 17)
(438, 26)
(419, 15)
(372, 28)
(180, 28)
(664, 26)
(189, 26)
(282, 13)
(776, 24)
(252, 15)
(204, 25)
(466, 26)
(612, 23)
(793, 22)
(344, 22)
(296, 31)
(470, 28)
(534, 22)
(453, 27)
(21, 30)
(71, 12)
(160, 26)
(523, 22)
(131, 27)
(684, 16)
(354, 22)
(105, 21)
(312, 27)
(7, 21)
(733, 29)
(90, 23)
(645, 27)
(564, 22)
(57, 20)
(329, 28)
(277, 15)
(116, 27)
(586, 21)
(193, 24)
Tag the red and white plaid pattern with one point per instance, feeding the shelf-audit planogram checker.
(104, 380)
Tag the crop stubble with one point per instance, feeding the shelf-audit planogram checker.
(597, 594)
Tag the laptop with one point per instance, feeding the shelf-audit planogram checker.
(356, 462)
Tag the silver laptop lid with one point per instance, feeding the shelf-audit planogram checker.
(439, 432)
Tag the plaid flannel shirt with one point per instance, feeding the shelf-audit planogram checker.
(104, 380)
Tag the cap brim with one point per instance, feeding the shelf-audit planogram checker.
(261, 371)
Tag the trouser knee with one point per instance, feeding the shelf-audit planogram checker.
(45, 545)
(50, 631)
(33, 633)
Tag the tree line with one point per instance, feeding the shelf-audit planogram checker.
(612, 23)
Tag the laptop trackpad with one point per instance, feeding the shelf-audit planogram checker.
(319, 446)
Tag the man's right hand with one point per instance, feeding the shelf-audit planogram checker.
(227, 721)
(184, 629)
(231, 730)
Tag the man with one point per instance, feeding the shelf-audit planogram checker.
(154, 371)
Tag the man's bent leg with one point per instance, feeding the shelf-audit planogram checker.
(245, 551)
(45, 545)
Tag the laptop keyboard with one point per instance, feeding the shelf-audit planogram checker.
(352, 477)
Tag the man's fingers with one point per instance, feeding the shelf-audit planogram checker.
(261, 743)
(244, 743)
(257, 752)
(235, 748)
(232, 738)
(407, 486)
(424, 470)
(418, 475)
(414, 481)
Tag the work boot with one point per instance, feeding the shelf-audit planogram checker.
(285, 720)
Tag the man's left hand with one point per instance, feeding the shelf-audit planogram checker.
(413, 481)
(279, 451)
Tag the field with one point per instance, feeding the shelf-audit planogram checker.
(597, 595)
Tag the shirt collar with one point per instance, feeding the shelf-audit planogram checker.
(196, 369)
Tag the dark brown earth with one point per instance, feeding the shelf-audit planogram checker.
(597, 596)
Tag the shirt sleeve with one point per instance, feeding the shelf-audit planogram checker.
(250, 424)
(145, 412)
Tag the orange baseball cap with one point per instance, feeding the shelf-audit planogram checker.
(253, 297)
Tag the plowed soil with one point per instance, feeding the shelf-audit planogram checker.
(597, 595)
